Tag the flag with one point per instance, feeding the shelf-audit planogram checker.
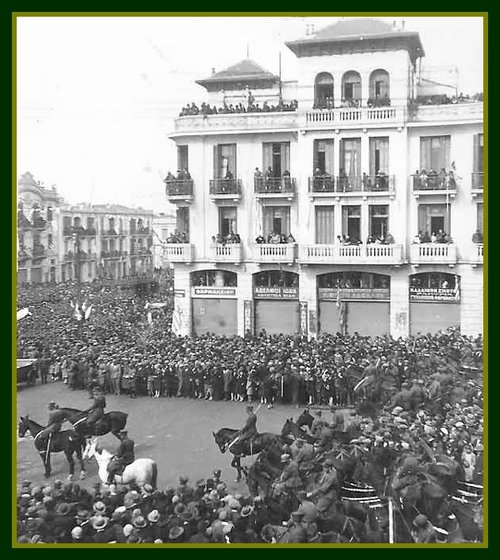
(22, 313)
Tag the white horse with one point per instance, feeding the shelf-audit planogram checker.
(141, 471)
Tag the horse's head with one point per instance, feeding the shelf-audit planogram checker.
(288, 427)
(220, 440)
(90, 449)
(22, 426)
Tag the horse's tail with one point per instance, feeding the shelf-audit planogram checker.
(154, 477)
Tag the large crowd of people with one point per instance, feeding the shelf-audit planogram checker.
(416, 436)
(249, 107)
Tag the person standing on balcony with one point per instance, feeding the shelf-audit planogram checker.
(389, 239)
(477, 237)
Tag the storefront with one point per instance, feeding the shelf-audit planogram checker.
(434, 302)
(276, 300)
(214, 302)
(350, 302)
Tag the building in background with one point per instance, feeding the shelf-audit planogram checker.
(59, 242)
(163, 226)
(348, 201)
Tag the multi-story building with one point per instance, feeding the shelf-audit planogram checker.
(352, 162)
(36, 231)
(163, 226)
(59, 242)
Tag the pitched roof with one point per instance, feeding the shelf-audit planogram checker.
(244, 70)
(355, 27)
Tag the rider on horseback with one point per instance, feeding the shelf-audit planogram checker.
(124, 456)
(249, 430)
(96, 411)
(56, 420)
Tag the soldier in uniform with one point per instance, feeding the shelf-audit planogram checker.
(96, 411)
(249, 430)
(56, 419)
(124, 456)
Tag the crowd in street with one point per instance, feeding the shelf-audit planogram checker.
(417, 435)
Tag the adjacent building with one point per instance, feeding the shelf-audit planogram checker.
(59, 242)
(380, 187)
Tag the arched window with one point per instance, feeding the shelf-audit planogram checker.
(379, 89)
(323, 91)
(351, 89)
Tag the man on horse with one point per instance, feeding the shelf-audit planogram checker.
(249, 430)
(96, 411)
(124, 456)
(56, 420)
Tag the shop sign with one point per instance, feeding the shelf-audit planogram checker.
(180, 293)
(212, 291)
(330, 294)
(434, 294)
(275, 292)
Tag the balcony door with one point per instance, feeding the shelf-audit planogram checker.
(182, 158)
(227, 220)
(323, 156)
(276, 155)
(379, 155)
(224, 161)
(433, 217)
(351, 222)
(350, 156)
(276, 220)
(325, 232)
(434, 153)
(379, 220)
(182, 221)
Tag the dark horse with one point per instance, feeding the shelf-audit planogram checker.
(246, 447)
(66, 441)
(292, 428)
(113, 422)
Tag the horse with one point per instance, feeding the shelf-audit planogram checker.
(113, 422)
(305, 419)
(293, 428)
(141, 471)
(247, 447)
(66, 441)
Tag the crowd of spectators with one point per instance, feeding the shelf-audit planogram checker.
(439, 237)
(229, 238)
(275, 238)
(178, 237)
(444, 99)
(250, 107)
(426, 432)
(431, 179)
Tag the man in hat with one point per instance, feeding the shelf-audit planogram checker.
(124, 456)
(327, 489)
(54, 424)
(249, 430)
(96, 411)
(425, 532)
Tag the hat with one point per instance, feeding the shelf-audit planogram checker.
(285, 457)
(128, 529)
(246, 511)
(153, 516)
(99, 522)
(175, 533)
(77, 532)
(200, 483)
(83, 514)
(420, 520)
(183, 479)
(139, 522)
(63, 508)
(234, 504)
(99, 507)
(180, 508)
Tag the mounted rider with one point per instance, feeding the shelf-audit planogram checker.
(124, 456)
(96, 411)
(249, 430)
(54, 424)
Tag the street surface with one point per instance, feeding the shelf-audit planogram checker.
(175, 432)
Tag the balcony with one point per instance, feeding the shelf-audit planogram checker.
(274, 252)
(178, 252)
(475, 254)
(275, 187)
(435, 183)
(327, 185)
(225, 189)
(239, 122)
(351, 254)
(230, 253)
(179, 190)
(108, 233)
(353, 117)
(449, 113)
(112, 254)
(433, 253)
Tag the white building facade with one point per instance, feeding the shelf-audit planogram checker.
(359, 161)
